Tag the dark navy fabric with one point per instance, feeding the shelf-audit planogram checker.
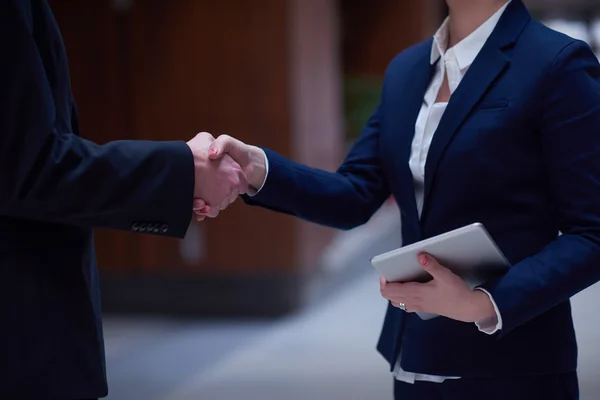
(54, 188)
(518, 149)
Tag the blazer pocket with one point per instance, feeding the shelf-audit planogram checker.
(493, 104)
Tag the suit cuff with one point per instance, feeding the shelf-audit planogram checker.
(253, 192)
(493, 324)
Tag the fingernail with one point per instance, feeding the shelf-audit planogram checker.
(213, 151)
(423, 259)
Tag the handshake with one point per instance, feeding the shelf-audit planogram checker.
(224, 169)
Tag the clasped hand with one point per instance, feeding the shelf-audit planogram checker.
(225, 168)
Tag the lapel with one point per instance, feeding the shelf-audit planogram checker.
(489, 64)
(409, 104)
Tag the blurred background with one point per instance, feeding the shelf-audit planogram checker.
(256, 305)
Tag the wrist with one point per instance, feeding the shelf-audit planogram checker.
(199, 160)
(481, 307)
(256, 170)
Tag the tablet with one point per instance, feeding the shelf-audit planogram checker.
(469, 252)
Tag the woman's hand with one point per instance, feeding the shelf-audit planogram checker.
(446, 294)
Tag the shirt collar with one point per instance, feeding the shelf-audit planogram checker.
(467, 49)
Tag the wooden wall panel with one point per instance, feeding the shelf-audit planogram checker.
(220, 67)
(375, 33)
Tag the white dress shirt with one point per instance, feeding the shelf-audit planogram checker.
(453, 62)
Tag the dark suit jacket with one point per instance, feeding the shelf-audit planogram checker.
(518, 149)
(54, 187)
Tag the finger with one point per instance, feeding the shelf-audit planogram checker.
(392, 291)
(200, 218)
(413, 289)
(404, 292)
(203, 211)
(199, 214)
(214, 212)
(199, 205)
(400, 299)
(222, 145)
(432, 266)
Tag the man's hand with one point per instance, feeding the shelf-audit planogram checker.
(250, 158)
(446, 294)
(219, 181)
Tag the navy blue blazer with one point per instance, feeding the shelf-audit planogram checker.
(518, 149)
(54, 187)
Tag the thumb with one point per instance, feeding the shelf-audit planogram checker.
(222, 145)
(431, 265)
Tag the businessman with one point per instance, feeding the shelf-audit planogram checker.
(54, 188)
(495, 119)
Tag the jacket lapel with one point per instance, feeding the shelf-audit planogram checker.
(410, 100)
(485, 70)
(478, 79)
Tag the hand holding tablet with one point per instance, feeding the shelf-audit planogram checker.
(469, 252)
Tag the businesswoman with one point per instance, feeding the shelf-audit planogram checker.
(496, 119)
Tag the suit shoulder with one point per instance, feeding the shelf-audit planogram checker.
(545, 43)
(16, 13)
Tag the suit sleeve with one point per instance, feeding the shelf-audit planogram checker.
(54, 176)
(570, 143)
(343, 199)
